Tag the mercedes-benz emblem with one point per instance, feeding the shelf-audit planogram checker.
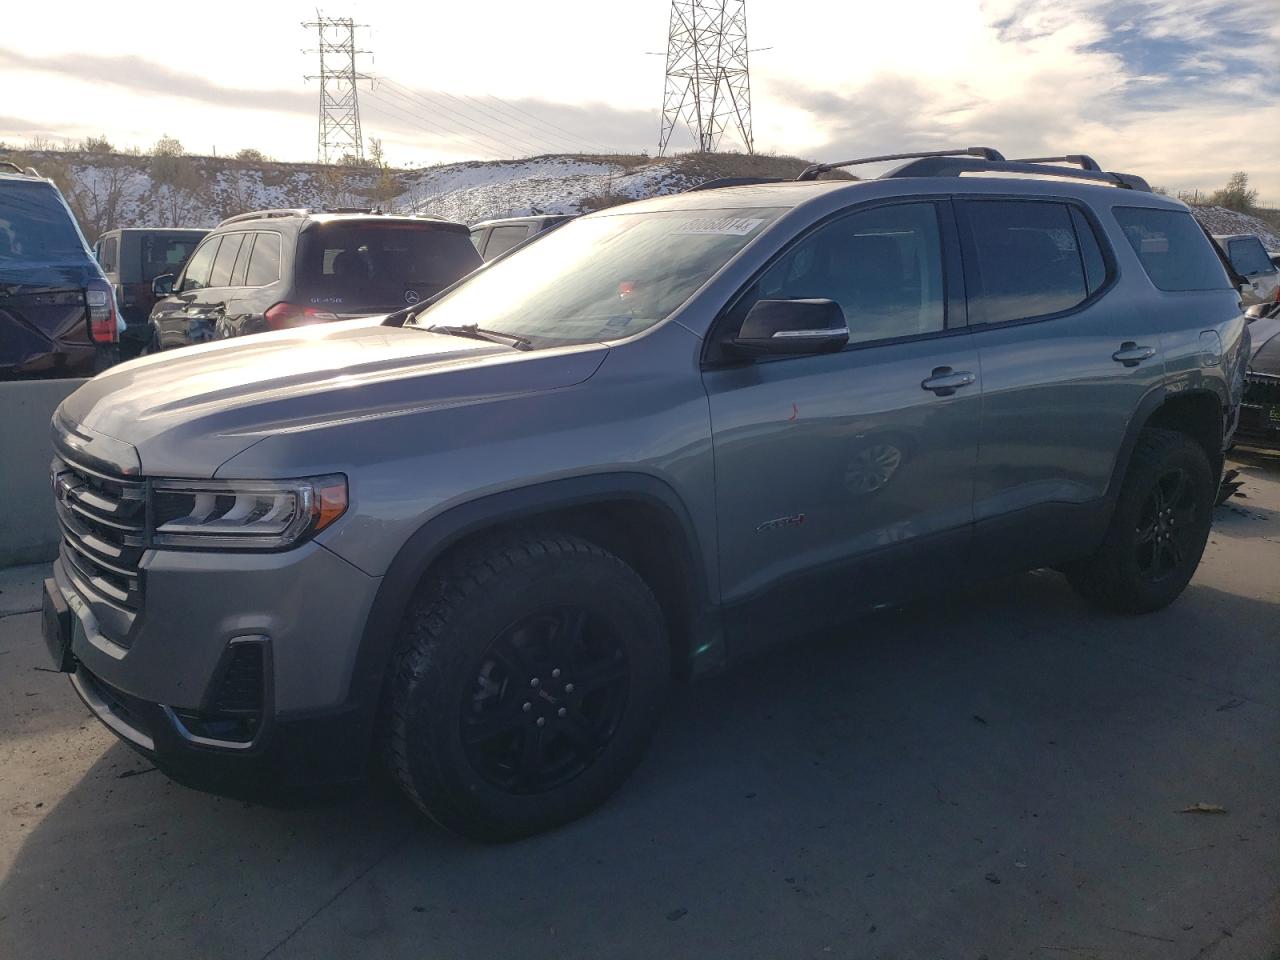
(411, 296)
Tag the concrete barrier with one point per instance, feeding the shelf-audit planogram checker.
(28, 530)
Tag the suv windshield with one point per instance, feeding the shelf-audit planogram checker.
(164, 254)
(600, 278)
(362, 265)
(35, 227)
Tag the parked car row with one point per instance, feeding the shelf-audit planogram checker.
(477, 537)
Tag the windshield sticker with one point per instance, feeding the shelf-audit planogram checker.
(719, 226)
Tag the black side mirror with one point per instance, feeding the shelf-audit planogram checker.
(162, 286)
(791, 327)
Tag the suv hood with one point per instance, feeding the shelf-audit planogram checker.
(189, 411)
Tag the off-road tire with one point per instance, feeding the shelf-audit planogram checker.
(448, 636)
(1114, 578)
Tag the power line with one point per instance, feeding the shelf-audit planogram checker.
(419, 119)
(475, 124)
(339, 132)
(547, 123)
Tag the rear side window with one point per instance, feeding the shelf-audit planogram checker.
(503, 239)
(264, 262)
(477, 238)
(241, 269)
(220, 276)
(1025, 260)
(1173, 249)
(1247, 256)
(365, 265)
(1095, 266)
(109, 254)
(35, 227)
(196, 276)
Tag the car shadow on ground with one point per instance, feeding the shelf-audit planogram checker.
(963, 777)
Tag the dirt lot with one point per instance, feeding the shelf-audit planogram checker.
(1000, 775)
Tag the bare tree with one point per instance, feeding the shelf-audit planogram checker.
(176, 182)
(1236, 195)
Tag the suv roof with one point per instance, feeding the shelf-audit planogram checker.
(970, 170)
(11, 171)
(324, 215)
(531, 218)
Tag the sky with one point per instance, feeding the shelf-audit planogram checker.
(1183, 92)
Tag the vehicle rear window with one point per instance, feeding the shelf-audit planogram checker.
(1248, 257)
(1174, 251)
(161, 254)
(1026, 260)
(503, 239)
(358, 266)
(35, 227)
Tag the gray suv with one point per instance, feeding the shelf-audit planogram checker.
(478, 538)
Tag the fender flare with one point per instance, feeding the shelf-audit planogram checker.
(430, 541)
(1149, 404)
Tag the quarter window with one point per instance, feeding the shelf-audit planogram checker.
(1172, 248)
(264, 263)
(882, 266)
(1025, 260)
(196, 275)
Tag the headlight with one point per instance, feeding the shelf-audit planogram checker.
(244, 514)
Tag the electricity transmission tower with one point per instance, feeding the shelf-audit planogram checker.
(708, 84)
(340, 134)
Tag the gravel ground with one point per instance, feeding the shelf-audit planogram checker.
(995, 775)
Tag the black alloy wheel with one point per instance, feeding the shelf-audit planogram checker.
(546, 701)
(1166, 526)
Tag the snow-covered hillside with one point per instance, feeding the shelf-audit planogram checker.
(126, 190)
(1221, 221)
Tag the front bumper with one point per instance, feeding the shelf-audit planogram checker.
(300, 754)
(169, 678)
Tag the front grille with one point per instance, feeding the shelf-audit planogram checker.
(103, 524)
(1261, 390)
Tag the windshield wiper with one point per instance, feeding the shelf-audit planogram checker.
(480, 333)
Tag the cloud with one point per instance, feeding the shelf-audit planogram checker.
(144, 76)
(1174, 91)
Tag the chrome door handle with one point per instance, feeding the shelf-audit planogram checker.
(1130, 354)
(944, 381)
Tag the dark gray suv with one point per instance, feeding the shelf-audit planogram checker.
(478, 538)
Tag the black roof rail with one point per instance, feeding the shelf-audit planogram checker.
(377, 210)
(1083, 160)
(719, 182)
(954, 166)
(987, 153)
